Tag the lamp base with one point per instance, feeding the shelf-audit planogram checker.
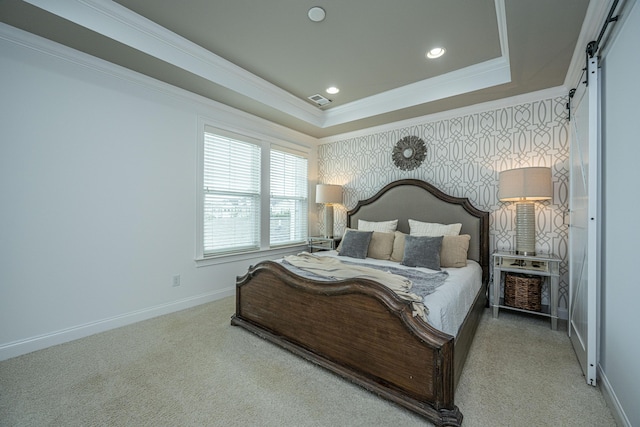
(328, 221)
(524, 253)
(525, 228)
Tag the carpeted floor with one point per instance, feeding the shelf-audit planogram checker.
(192, 368)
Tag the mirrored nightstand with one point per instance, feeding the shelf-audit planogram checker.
(546, 266)
(320, 243)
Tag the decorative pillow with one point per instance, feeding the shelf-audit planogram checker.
(398, 246)
(422, 251)
(418, 228)
(381, 226)
(339, 248)
(454, 251)
(381, 245)
(355, 243)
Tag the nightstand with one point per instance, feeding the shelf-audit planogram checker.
(547, 266)
(320, 243)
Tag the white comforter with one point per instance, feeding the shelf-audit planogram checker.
(449, 304)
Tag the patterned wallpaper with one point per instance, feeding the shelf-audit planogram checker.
(464, 156)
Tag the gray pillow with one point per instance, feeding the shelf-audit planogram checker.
(422, 251)
(355, 243)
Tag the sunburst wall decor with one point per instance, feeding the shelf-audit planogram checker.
(409, 153)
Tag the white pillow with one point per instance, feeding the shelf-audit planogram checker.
(382, 226)
(433, 229)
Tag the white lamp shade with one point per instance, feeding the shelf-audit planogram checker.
(328, 193)
(525, 184)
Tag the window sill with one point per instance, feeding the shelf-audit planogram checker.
(262, 254)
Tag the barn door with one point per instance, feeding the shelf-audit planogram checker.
(584, 218)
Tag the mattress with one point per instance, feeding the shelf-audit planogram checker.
(449, 303)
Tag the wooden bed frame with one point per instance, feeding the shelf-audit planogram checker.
(360, 329)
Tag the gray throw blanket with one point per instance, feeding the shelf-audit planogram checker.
(422, 283)
(410, 285)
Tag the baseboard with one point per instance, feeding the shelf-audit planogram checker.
(612, 401)
(18, 348)
(563, 313)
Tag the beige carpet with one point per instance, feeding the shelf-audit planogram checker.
(193, 369)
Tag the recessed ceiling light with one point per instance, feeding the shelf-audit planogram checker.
(333, 90)
(316, 14)
(436, 52)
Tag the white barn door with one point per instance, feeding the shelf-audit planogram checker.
(584, 219)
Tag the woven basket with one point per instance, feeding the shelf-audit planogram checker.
(523, 291)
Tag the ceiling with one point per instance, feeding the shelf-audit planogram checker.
(267, 57)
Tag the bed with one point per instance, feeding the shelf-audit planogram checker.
(359, 328)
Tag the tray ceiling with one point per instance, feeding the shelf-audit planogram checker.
(266, 58)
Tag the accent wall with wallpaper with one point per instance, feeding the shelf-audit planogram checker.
(465, 154)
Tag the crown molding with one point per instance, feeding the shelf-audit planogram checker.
(123, 25)
(480, 76)
(475, 77)
(559, 91)
(501, 18)
(202, 106)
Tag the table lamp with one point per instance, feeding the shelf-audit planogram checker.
(328, 194)
(524, 186)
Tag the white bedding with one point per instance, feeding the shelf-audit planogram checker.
(449, 304)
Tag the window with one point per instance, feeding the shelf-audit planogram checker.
(288, 203)
(231, 221)
(252, 195)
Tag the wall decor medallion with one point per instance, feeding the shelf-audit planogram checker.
(409, 153)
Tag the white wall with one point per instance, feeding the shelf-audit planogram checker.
(620, 317)
(97, 188)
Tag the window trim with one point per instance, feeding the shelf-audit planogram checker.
(267, 144)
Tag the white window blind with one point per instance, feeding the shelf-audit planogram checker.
(231, 195)
(289, 198)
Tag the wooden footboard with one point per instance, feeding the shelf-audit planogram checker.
(358, 329)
